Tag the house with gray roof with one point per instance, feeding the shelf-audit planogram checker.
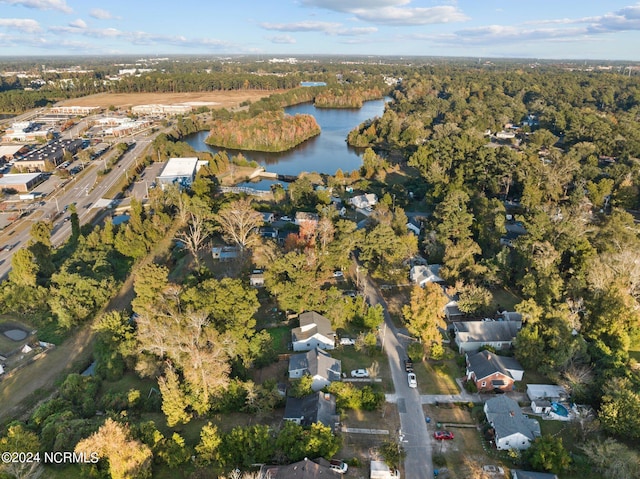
(318, 364)
(314, 332)
(512, 429)
(472, 335)
(305, 469)
(317, 407)
(422, 274)
(520, 474)
(490, 371)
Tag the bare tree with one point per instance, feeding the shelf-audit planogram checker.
(238, 222)
(195, 235)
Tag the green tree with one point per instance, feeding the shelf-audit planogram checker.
(21, 440)
(547, 453)
(127, 458)
(620, 409)
(425, 315)
(210, 440)
(175, 405)
(612, 459)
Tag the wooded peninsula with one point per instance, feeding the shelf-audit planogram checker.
(269, 131)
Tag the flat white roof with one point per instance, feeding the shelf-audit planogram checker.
(10, 150)
(180, 167)
(18, 178)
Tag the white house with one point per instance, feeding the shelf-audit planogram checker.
(513, 430)
(318, 364)
(314, 332)
(366, 201)
(472, 335)
(421, 274)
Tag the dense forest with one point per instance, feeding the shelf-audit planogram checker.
(269, 131)
(349, 98)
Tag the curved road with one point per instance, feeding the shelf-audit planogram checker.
(414, 435)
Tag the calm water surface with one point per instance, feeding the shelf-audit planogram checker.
(326, 153)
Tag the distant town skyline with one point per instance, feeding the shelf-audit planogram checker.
(571, 29)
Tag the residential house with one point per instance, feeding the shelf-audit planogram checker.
(256, 279)
(364, 202)
(422, 274)
(314, 332)
(490, 372)
(414, 226)
(542, 395)
(268, 217)
(552, 392)
(472, 335)
(302, 217)
(305, 469)
(224, 253)
(269, 232)
(520, 474)
(317, 407)
(512, 429)
(318, 364)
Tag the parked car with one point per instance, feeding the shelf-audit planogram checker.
(347, 342)
(493, 470)
(413, 381)
(338, 274)
(359, 373)
(285, 218)
(338, 466)
(443, 435)
(408, 365)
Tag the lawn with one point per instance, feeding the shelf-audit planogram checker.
(505, 299)
(352, 359)
(438, 377)
(280, 337)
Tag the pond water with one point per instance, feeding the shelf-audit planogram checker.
(16, 334)
(325, 153)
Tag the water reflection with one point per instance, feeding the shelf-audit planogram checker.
(325, 153)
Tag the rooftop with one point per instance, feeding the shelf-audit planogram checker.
(180, 167)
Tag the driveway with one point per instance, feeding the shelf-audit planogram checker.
(413, 434)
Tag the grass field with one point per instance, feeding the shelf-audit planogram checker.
(221, 99)
(438, 377)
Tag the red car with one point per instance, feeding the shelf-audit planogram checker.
(441, 435)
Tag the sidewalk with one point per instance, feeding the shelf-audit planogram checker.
(464, 396)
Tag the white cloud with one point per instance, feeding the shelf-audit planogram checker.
(101, 14)
(26, 25)
(60, 5)
(284, 39)
(79, 23)
(329, 28)
(392, 12)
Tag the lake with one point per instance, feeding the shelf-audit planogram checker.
(325, 153)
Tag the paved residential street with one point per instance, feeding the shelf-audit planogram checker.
(413, 434)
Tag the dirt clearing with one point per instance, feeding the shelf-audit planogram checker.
(222, 99)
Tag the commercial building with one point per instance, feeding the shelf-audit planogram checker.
(26, 131)
(74, 110)
(178, 171)
(48, 156)
(21, 182)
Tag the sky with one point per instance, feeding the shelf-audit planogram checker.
(542, 29)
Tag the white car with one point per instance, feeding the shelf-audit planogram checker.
(411, 378)
(339, 466)
(338, 274)
(347, 342)
(285, 218)
(493, 470)
(359, 373)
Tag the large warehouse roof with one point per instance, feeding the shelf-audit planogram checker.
(18, 179)
(180, 167)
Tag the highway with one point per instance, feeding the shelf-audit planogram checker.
(85, 189)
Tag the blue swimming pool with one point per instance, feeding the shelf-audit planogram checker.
(559, 409)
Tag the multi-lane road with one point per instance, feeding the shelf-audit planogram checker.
(85, 189)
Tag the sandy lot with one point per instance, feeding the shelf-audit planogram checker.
(222, 99)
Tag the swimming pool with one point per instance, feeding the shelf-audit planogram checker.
(559, 409)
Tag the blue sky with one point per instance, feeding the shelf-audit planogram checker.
(570, 29)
